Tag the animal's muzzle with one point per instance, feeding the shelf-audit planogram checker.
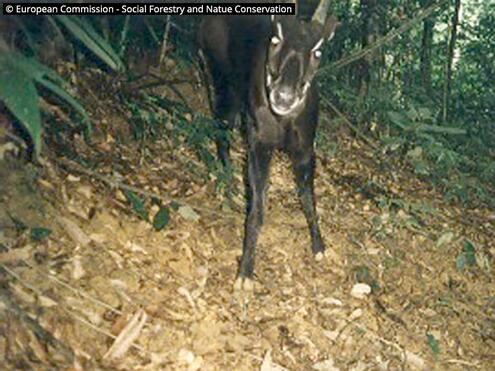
(285, 100)
(284, 97)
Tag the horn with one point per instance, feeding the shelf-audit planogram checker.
(320, 13)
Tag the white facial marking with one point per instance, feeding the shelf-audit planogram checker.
(306, 87)
(317, 46)
(287, 111)
(282, 112)
(279, 30)
(275, 40)
(268, 79)
(317, 54)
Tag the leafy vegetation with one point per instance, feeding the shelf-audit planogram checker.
(427, 95)
(414, 76)
(414, 87)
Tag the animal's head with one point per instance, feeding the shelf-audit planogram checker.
(293, 57)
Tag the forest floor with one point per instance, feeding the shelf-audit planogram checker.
(103, 273)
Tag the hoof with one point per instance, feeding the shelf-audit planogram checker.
(244, 284)
(319, 256)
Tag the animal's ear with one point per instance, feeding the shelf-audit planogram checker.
(331, 25)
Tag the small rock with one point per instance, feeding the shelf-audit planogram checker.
(360, 290)
(185, 356)
(332, 301)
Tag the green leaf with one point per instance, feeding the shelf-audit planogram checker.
(137, 204)
(413, 114)
(467, 257)
(460, 262)
(17, 90)
(20, 96)
(174, 205)
(433, 344)
(445, 238)
(84, 32)
(469, 251)
(161, 218)
(398, 119)
(425, 113)
(70, 100)
(377, 221)
(420, 167)
(441, 129)
(38, 233)
(362, 273)
(50, 80)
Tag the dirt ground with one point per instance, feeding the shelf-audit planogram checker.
(407, 282)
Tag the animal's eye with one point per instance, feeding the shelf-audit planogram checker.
(275, 40)
(317, 54)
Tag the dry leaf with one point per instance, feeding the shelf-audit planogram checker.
(415, 361)
(356, 314)
(332, 301)
(125, 339)
(326, 365)
(74, 231)
(268, 364)
(188, 213)
(46, 302)
(13, 255)
(77, 270)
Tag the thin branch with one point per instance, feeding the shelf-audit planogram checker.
(40, 333)
(421, 15)
(163, 51)
(71, 165)
(353, 127)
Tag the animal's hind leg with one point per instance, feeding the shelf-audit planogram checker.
(227, 113)
(222, 101)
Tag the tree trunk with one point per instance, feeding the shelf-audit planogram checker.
(370, 31)
(426, 49)
(450, 60)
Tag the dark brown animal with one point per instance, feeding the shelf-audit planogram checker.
(262, 68)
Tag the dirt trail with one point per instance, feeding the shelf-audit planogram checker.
(383, 228)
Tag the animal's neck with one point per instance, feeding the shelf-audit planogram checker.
(258, 95)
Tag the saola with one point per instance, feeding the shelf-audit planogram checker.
(262, 68)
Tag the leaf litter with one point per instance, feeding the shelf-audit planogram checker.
(122, 294)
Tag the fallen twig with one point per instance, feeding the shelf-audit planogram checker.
(40, 333)
(68, 311)
(73, 166)
(127, 336)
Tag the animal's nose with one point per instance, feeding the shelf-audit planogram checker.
(285, 95)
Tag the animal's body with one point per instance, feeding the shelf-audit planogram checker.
(262, 69)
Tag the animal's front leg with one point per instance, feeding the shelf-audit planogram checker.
(304, 168)
(259, 157)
